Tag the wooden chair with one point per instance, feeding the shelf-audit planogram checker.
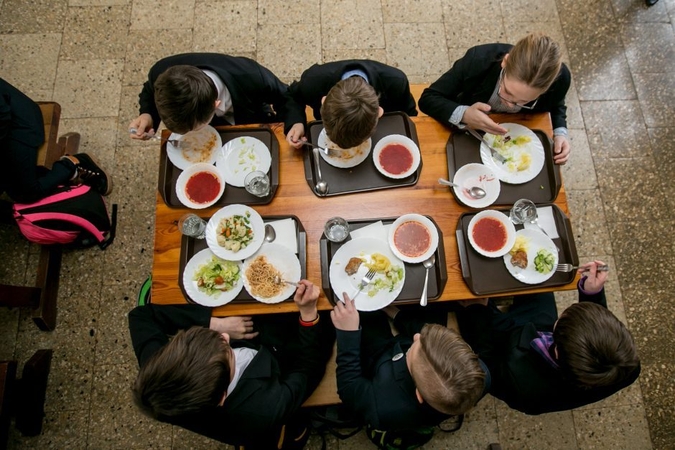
(41, 298)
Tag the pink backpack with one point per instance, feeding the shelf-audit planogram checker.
(75, 215)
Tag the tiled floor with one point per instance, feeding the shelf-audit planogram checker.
(91, 56)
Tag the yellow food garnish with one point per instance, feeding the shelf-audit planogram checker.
(521, 244)
(521, 140)
(525, 161)
(379, 263)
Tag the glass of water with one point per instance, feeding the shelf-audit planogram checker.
(336, 229)
(257, 183)
(523, 211)
(192, 225)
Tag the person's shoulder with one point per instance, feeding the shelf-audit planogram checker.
(488, 52)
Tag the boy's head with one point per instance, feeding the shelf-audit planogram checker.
(189, 374)
(350, 111)
(185, 98)
(593, 347)
(446, 371)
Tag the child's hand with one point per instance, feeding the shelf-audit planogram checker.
(296, 135)
(143, 126)
(476, 117)
(237, 327)
(305, 297)
(594, 280)
(345, 317)
(561, 149)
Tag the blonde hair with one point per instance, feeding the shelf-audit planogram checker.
(447, 372)
(535, 60)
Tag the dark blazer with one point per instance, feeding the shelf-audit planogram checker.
(390, 83)
(20, 117)
(520, 376)
(265, 397)
(473, 79)
(253, 88)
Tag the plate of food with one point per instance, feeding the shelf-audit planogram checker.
(235, 232)
(396, 156)
(241, 156)
(353, 260)
(491, 233)
(197, 146)
(533, 257)
(413, 238)
(199, 186)
(476, 175)
(522, 149)
(211, 281)
(272, 260)
(343, 158)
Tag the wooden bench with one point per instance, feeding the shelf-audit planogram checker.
(41, 298)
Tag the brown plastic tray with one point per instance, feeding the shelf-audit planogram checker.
(486, 276)
(414, 273)
(365, 176)
(190, 246)
(462, 149)
(168, 173)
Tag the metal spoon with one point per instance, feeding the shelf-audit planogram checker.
(428, 263)
(270, 234)
(321, 187)
(474, 192)
(278, 280)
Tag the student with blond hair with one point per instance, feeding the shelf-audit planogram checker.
(501, 78)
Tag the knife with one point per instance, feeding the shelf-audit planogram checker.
(495, 154)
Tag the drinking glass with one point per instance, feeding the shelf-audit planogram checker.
(336, 229)
(523, 211)
(257, 183)
(192, 225)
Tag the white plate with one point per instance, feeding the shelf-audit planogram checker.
(285, 261)
(183, 178)
(476, 175)
(257, 225)
(344, 159)
(404, 141)
(510, 233)
(241, 156)
(426, 223)
(537, 241)
(341, 282)
(183, 158)
(508, 172)
(201, 297)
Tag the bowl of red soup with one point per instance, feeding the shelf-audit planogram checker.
(413, 238)
(200, 186)
(396, 156)
(491, 233)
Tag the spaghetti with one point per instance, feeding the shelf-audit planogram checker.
(260, 275)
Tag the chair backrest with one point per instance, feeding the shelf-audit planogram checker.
(50, 152)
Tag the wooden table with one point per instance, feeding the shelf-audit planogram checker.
(295, 197)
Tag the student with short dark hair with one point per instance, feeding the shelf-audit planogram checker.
(541, 363)
(191, 90)
(349, 96)
(245, 391)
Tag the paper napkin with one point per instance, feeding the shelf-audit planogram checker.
(375, 230)
(546, 221)
(286, 233)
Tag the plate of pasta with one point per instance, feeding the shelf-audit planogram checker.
(259, 272)
(235, 232)
(522, 149)
(211, 281)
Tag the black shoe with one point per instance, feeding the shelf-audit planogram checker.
(651, 2)
(92, 175)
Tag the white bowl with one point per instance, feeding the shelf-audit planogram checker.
(405, 142)
(478, 175)
(427, 224)
(510, 230)
(181, 184)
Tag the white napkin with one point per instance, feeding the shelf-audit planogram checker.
(546, 221)
(286, 233)
(375, 230)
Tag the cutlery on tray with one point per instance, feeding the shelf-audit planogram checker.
(494, 152)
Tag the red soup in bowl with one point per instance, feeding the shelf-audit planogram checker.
(202, 187)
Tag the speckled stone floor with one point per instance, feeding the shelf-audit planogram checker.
(91, 56)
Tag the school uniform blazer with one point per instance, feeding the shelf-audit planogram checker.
(390, 83)
(473, 79)
(253, 88)
(20, 118)
(264, 397)
(520, 376)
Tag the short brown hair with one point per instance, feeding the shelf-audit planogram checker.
(187, 375)
(535, 60)
(185, 97)
(594, 348)
(350, 112)
(447, 372)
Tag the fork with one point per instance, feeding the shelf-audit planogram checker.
(325, 151)
(571, 268)
(365, 281)
(175, 142)
(498, 156)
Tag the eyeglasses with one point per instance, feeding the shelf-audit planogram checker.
(499, 94)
